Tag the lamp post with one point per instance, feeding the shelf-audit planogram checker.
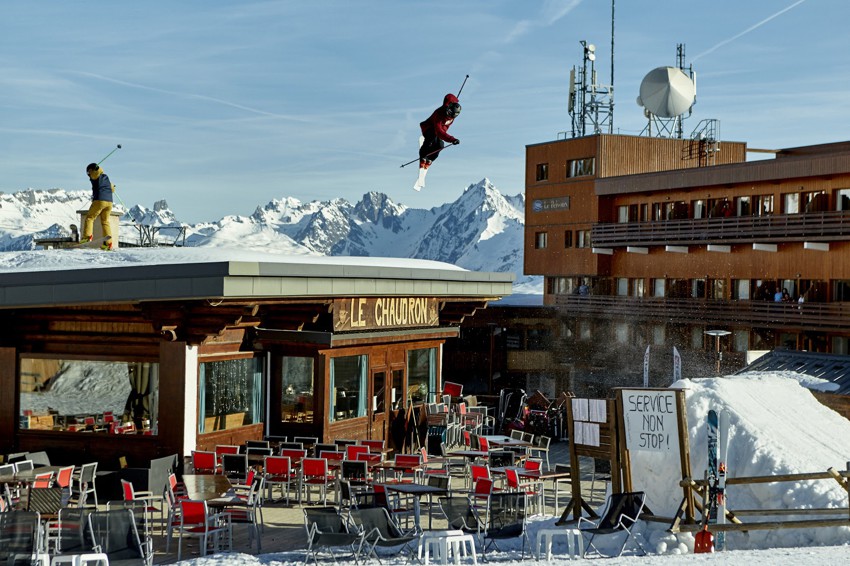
(717, 334)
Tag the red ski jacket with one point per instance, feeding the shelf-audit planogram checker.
(438, 123)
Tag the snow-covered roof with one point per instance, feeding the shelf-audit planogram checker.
(83, 276)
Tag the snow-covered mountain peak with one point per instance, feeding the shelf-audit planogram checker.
(482, 230)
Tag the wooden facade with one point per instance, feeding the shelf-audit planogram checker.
(187, 326)
(665, 232)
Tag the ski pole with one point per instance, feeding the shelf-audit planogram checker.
(427, 155)
(462, 85)
(108, 154)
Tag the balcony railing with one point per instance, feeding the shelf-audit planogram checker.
(812, 226)
(822, 317)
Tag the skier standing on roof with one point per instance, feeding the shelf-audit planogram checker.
(101, 205)
(435, 131)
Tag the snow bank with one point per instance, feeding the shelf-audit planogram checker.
(776, 427)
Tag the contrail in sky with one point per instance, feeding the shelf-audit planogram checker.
(748, 30)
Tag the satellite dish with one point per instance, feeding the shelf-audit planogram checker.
(667, 92)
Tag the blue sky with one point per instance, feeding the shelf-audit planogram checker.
(223, 106)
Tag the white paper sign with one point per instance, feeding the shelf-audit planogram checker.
(650, 420)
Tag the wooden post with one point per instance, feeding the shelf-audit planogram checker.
(684, 452)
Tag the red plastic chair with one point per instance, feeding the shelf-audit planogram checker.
(204, 462)
(533, 489)
(43, 481)
(314, 473)
(533, 464)
(147, 498)
(483, 444)
(196, 521)
(352, 450)
(295, 456)
(453, 389)
(278, 471)
(225, 449)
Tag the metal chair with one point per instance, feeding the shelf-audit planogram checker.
(235, 466)
(327, 531)
(250, 513)
(379, 530)
(540, 449)
(204, 462)
(83, 484)
(21, 539)
(503, 519)
(622, 511)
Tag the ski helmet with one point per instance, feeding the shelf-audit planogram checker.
(453, 110)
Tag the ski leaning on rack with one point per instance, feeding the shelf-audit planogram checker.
(720, 493)
(710, 506)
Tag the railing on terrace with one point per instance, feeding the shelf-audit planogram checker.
(763, 314)
(820, 226)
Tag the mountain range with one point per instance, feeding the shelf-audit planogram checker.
(482, 230)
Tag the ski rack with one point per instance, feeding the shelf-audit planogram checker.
(700, 488)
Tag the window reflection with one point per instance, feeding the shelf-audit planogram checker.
(89, 396)
(230, 394)
(296, 379)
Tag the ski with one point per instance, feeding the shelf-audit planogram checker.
(723, 451)
(711, 501)
(96, 243)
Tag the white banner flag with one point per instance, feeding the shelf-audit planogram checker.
(646, 368)
(677, 365)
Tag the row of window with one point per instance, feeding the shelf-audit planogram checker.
(103, 396)
(705, 288)
(581, 238)
(755, 205)
(573, 168)
(695, 337)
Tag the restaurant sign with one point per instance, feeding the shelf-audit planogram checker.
(375, 313)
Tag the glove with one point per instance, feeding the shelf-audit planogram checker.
(457, 141)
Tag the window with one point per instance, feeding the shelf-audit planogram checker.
(622, 214)
(762, 205)
(658, 288)
(638, 287)
(717, 289)
(542, 171)
(698, 288)
(841, 290)
(421, 374)
(657, 214)
(581, 167)
(568, 238)
(675, 210)
(741, 289)
(296, 379)
(743, 206)
(697, 337)
(84, 395)
(659, 334)
(699, 209)
(644, 212)
(540, 240)
(842, 199)
(622, 286)
(560, 285)
(791, 203)
(348, 387)
(621, 332)
(583, 238)
(740, 340)
(230, 394)
(815, 201)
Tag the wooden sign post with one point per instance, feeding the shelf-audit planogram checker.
(655, 420)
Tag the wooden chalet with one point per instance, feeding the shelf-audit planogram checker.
(148, 360)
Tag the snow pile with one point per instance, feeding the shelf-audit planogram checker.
(776, 427)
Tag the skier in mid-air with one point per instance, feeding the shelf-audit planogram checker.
(434, 134)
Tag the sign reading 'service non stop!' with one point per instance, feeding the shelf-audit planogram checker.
(650, 420)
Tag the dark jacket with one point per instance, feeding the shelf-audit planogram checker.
(438, 123)
(101, 188)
